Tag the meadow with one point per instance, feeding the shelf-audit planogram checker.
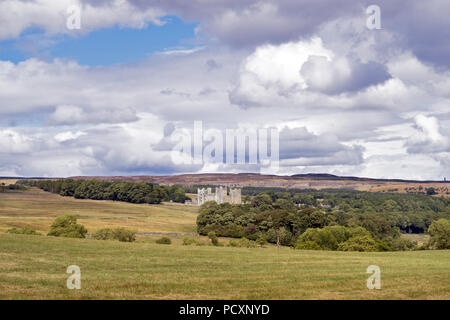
(34, 267)
(37, 209)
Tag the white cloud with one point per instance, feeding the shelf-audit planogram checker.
(110, 120)
(51, 15)
(427, 138)
(70, 115)
(14, 142)
(68, 135)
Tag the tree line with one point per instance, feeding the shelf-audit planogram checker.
(350, 220)
(135, 192)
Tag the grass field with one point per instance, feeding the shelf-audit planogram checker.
(33, 267)
(37, 209)
(7, 182)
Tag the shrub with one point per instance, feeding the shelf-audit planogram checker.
(261, 240)
(124, 235)
(359, 231)
(384, 245)
(323, 238)
(104, 234)
(67, 226)
(242, 243)
(285, 236)
(307, 245)
(189, 241)
(24, 230)
(340, 233)
(439, 232)
(164, 240)
(213, 237)
(359, 243)
(402, 244)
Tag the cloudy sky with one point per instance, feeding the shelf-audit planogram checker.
(106, 98)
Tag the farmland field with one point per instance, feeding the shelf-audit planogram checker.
(34, 267)
(37, 209)
(7, 182)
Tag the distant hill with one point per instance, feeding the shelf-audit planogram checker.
(298, 181)
(301, 181)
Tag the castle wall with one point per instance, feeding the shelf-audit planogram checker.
(220, 195)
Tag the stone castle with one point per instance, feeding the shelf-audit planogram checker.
(220, 196)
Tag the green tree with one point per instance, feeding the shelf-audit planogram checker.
(359, 243)
(67, 226)
(323, 238)
(104, 234)
(261, 240)
(440, 234)
(124, 235)
(214, 240)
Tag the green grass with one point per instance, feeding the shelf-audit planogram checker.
(33, 267)
(37, 209)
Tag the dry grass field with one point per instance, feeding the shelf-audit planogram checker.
(37, 209)
(34, 267)
(7, 182)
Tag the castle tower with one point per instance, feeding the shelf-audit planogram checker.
(220, 195)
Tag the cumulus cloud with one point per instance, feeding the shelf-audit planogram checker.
(299, 147)
(428, 138)
(298, 70)
(51, 15)
(14, 142)
(418, 25)
(341, 75)
(70, 115)
(68, 135)
(346, 94)
(272, 69)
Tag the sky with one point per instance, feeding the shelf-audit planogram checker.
(108, 98)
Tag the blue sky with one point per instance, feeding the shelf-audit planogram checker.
(102, 47)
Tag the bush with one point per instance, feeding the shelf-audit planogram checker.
(261, 240)
(323, 238)
(120, 234)
(189, 241)
(242, 243)
(104, 234)
(213, 237)
(340, 233)
(285, 236)
(402, 244)
(359, 243)
(383, 245)
(24, 230)
(164, 240)
(359, 231)
(124, 235)
(439, 232)
(307, 245)
(67, 226)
